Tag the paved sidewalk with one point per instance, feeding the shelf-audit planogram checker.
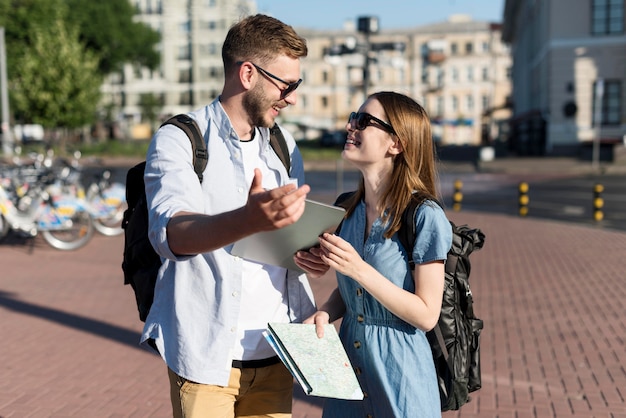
(551, 296)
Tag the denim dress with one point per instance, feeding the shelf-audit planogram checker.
(392, 359)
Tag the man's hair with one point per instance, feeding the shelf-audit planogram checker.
(260, 38)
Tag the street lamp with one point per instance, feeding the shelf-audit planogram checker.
(367, 25)
(7, 138)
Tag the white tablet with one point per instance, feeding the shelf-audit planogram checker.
(279, 246)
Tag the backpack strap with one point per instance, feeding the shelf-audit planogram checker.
(279, 145)
(342, 202)
(407, 232)
(198, 146)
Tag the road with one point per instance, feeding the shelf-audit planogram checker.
(564, 196)
(554, 196)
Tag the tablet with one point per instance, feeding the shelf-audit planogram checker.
(279, 246)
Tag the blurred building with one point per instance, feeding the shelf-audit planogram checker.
(458, 69)
(569, 72)
(191, 72)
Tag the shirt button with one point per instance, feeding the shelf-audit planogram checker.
(233, 329)
(357, 370)
(235, 294)
(359, 291)
(240, 189)
(357, 344)
(359, 318)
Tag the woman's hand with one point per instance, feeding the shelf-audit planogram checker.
(311, 262)
(341, 255)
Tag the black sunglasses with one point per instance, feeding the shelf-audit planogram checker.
(291, 87)
(363, 120)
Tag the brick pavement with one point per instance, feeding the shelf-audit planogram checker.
(551, 295)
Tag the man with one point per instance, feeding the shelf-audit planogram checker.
(210, 308)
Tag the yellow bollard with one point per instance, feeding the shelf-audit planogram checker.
(523, 199)
(598, 202)
(457, 197)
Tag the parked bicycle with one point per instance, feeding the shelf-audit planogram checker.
(37, 199)
(107, 202)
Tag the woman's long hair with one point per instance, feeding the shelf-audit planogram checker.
(414, 173)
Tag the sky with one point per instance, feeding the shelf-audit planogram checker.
(392, 14)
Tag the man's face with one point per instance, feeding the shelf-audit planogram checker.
(264, 101)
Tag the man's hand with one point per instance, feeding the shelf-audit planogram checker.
(267, 210)
(320, 319)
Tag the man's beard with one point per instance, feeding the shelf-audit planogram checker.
(256, 104)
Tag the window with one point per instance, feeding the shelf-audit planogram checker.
(469, 102)
(208, 25)
(454, 49)
(455, 74)
(184, 27)
(611, 102)
(440, 77)
(185, 98)
(455, 104)
(184, 52)
(470, 73)
(184, 75)
(607, 17)
(485, 103)
(485, 74)
(469, 48)
(440, 103)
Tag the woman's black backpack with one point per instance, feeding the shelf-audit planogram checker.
(455, 341)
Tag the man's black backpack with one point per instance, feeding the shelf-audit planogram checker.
(141, 263)
(455, 340)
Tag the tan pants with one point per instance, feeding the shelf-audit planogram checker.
(254, 392)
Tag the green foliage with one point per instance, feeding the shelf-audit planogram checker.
(130, 149)
(19, 17)
(107, 27)
(56, 83)
(58, 52)
(312, 151)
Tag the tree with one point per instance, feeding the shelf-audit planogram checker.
(56, 83)
(107, 27)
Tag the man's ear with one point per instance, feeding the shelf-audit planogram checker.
(246, 75)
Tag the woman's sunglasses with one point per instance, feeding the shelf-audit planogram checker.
(362, 120)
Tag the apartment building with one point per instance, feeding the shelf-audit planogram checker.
(458, 69)
(191, 71)
(569, 73)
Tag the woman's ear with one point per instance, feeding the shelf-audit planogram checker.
(396, 148)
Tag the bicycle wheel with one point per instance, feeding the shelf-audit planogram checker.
(74, 236)
(4, 227)
(111, 225)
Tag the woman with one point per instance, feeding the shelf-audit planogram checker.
(386, 307)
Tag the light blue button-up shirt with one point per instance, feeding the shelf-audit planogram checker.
(197, 301)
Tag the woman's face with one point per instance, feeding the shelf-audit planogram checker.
(370, 140)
